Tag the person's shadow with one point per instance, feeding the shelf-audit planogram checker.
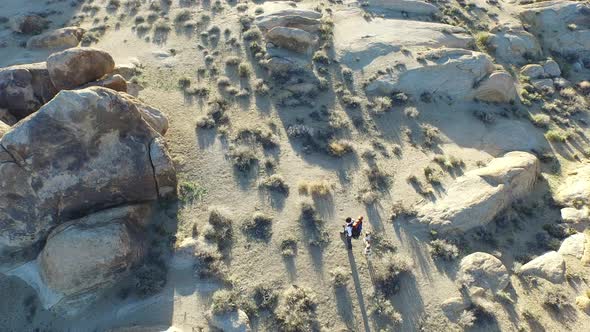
(358, 289)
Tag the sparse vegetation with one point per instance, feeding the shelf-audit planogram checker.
(259, 226)
(388, 271)
(340, 276)
(315, 188)
(296, 310)
(443, 249)
(276, 183)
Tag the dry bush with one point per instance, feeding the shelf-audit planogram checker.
(276, 183)
(288, 246)
(265, 296)
(388, 270)
(243, 157)
(443, 249)
(381, 309)
(321, 188)
(339, 148)
(296, 310)
(340, 276)
(399, 210)
(220, 230)
(224, 301)
(259, 226)
(555, 299)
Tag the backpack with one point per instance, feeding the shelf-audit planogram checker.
(357, 229)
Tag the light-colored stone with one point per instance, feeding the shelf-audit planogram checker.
(57, 39)
(575, 216)
(475, 198)
(303, 19)
(114, 82)
(575, 188)
(544, 84)
(291, 38)
(552, 68)
(25, 88)
(499, 87)
(573, 245)
(83, 151)
(513, 44)
(482, 270)
(4, 128)
(408, 6)
(76, 66)
(549, 266)
(236, 321)
(533, 71)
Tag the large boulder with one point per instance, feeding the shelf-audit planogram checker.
(29, 24)
(76, 66)
(533, 71)
(25, 88)
(291, 38)
(475, 198)
(575, 189)
(84, 151)
(85, 256)
(464, 68)
(499, 87)
(549, 266)
(303, 19)
(482, 270)
(56, 39)
(4, 128)
(552, 20)
(573, 246)
(513, 44)
(236, 321)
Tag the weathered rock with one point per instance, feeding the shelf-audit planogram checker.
(573, 246)
(114, 82)
(25, 88)
(29, 24)
(57, 39)
(550, 20)
(552, 68)
(236, 320)
(549, 266)
(127, 70)
(84, 151)
(475, 198)
(575, 189)
(533, 71)
(575, 216)
(291, 38)
(544, 84)
(561, 83)
(307, 20)
(144, 328)
(156, 119)
(76, 66)
(482, 270)
(499, 87)
(4, 128)
(454, 306)
(463, 67)
(514, 44)
(407, 6)
(83, 257)
(7, 117)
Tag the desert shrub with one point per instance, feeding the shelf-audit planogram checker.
(321, 57)
(382, 310)
(554, 299)
(288, 247)
(265, 296)
(308, 211)
(541, 120)
(252, 34)
(221, 230)
(150, 279)
(399, 210)
(224, 301)
(377, 178)
(340, 276)
(443, 249)
(210, 263)
(432, 175)
(232, 61)
(244, 70)
(431, 134)
(189, 192)
(448, 163)
(557, 135)
(182, 16)
(316, 188)
(260, 87)
(484, 116)
(466, 319)
(243, 158)
(339, 148)
(483, 41)
(388, 270)
(276, 183)
(347, 74)
(382, 104)
(162, 26)
(184, 82)
(296, 310)
(223, 81)
(259, 226)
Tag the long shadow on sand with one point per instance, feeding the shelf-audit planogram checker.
(358, 290)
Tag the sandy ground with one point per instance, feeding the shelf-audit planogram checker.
(201, 157)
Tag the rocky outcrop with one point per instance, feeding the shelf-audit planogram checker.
(513, 44)
(293, 39)
(307, 20)
(549, 266)
(499, 88)
(561, 25)
(4, 128)
(533, 71)
(575, 189)
(84, 151)
(406, 6)
(483, 271)
(114, 82)
(573, 215)
(57, 39)
(475, 198)
(29, 24)
(25, 88)
(76, 66)
(573, 246)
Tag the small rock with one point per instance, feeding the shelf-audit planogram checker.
(483, 270)
(533, 71)
(545, 85)
(573, 245)
(575, 216)
(236, 321)
(549, 266)
(552, 68)
(113, 82)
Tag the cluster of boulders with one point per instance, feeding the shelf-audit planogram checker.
(545, 77)
(77, 175)
(478, 196)
(573, 195)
